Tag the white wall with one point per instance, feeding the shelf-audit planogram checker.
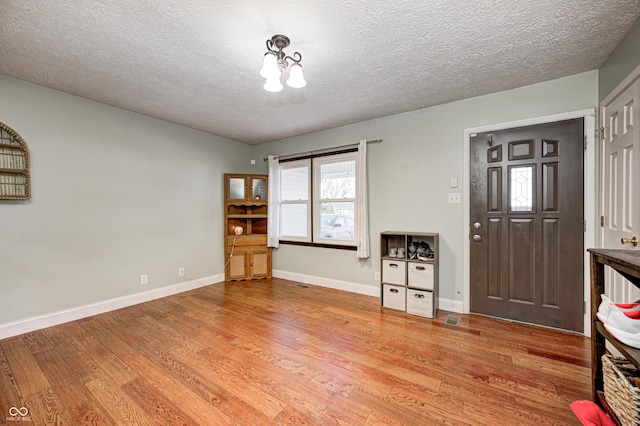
(114, 195)
(409, 176)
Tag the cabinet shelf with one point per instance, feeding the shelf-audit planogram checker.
(247, 203)
(631, 354)
(14, 171)
(405, 259)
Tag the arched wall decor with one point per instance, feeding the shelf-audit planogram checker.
(15, 166)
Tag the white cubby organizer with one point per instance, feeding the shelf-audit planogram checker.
(409, 282)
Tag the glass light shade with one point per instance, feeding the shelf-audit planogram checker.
(296, 79)
(273, 84)
(270, 66)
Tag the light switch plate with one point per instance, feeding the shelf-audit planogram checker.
(454, 198)
(453, 182)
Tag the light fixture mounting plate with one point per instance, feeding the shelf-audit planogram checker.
(280, 41)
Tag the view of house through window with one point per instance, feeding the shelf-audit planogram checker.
(328, 215)
(335, 198)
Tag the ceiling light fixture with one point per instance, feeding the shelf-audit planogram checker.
(276, 62)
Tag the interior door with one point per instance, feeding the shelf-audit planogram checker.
(527, 224)
(620, 187)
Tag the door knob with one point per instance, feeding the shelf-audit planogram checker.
(633, 241)
(477, 238)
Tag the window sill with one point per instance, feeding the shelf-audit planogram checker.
(323, 245)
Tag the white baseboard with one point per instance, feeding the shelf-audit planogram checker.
(48, 320)
(367, 290)
(444, 304)
(451, 305)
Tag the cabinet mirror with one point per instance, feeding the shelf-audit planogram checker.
(236, 189)
(259, 189)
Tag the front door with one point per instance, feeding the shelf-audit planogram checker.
(527, 224)
(620, 187)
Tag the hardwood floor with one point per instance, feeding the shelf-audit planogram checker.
(272, 352)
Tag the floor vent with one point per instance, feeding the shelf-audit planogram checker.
(453, 320)
(301, 286)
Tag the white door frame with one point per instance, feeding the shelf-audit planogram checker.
(619, 89)
(590, 200)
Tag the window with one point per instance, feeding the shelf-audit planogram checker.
(334, 183)
(318, 199)
(521, 189)
(295, 200)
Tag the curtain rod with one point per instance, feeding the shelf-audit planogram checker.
(300, 154)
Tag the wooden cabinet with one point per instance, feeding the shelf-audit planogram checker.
(409, 272)
(245, 219)
(626, 263)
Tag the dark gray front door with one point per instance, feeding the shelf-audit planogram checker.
(527, 224)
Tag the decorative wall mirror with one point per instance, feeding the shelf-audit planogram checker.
(15, 165)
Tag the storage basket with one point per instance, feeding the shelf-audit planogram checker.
(622, 389)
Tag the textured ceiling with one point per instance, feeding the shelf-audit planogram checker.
(196, 62)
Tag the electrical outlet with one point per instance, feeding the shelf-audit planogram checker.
(376, 276)
(181, 272)
(144, 279)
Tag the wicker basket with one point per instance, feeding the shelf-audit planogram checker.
(622, 389)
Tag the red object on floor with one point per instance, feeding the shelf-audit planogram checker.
(590, 414)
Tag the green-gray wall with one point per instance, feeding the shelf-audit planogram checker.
(409, 174)
(115, 195)
(621, 62)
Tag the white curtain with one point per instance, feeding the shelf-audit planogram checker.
(273, 217)
(362, 204)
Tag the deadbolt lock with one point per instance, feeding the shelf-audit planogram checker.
(633, 241)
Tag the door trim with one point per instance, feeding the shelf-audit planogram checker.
(621, 87)
(625, 84)
(590, 199)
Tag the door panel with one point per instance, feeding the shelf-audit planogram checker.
(550, 258)
(495, 248)
(259, 264)
(527, 224)
(237, 265)
(521, 244)
(620, 193)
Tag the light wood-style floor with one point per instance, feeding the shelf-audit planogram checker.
(271, 352)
